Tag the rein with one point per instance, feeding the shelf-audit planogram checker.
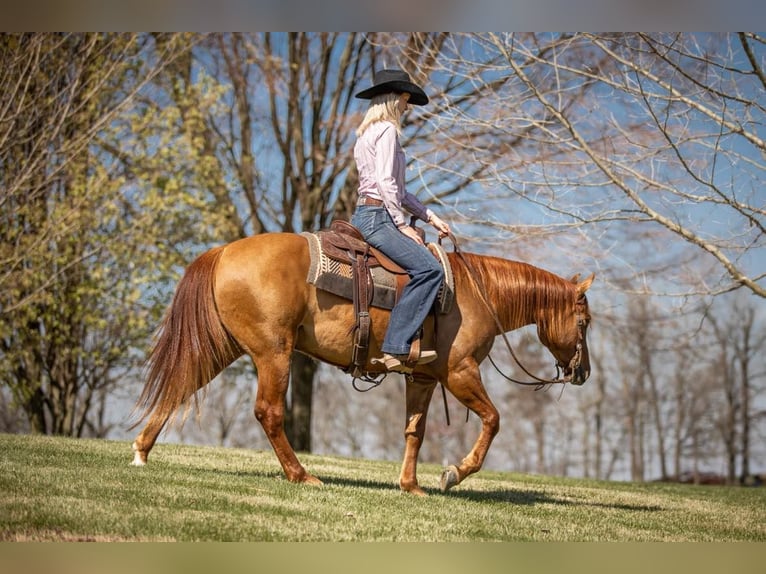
(537, 382)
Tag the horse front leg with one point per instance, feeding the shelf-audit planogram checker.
(465, 384)
(419, 390)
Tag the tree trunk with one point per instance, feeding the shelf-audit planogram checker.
(658, 423)
(678, 431)
(744, 353)
(298, 416)
(539, 425)
(745, 446)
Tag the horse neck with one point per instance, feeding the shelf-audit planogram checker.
(520, 294)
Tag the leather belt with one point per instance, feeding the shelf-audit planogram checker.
(370, 201)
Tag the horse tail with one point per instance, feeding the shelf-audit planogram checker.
(191, 346)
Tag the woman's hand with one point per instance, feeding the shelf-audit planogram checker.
(440, 225)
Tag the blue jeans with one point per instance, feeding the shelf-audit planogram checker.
(425, 272)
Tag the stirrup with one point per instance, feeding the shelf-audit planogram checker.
(391, 363)
(397, 364)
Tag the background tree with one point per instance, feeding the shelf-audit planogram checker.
(736, 336)
(68, 245)
(670, 141)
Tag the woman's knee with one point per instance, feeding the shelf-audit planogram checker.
(434, 272)
(437, 269)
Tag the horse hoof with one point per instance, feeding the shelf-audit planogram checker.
(450, 477)
(312, 481)
(416, 490)
(138, 459)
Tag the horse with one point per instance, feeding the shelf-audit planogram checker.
(252, 296)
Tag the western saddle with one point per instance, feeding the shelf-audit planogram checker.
(343, 242)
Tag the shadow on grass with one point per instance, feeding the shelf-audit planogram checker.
(517, 497)
(359, 483)
(532, 497)
(271, 474)
(510, 496)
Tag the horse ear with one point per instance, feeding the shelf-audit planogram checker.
(585, 284)
(575, 278)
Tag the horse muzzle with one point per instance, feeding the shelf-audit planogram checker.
(579, 375)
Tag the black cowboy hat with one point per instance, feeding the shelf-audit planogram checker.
(396, 81)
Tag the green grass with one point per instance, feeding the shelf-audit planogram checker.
(66, 489)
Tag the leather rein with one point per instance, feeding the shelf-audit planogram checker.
(575, 363)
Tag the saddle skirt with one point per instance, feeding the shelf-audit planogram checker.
(331, 270)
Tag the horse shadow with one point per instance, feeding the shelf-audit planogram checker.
(517, 497)
(509, 496)
(533, 497)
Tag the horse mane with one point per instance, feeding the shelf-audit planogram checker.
(518, 292)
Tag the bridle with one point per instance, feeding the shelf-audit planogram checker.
(575, 363)
(574, 367)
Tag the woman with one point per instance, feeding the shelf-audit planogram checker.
(381, 211)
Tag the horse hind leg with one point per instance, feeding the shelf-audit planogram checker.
(273, 379)
(171, 398)
(146, 439)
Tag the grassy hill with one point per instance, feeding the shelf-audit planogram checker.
(57, 489)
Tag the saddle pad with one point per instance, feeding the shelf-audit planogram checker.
(335, 277)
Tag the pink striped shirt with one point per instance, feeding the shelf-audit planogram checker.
(380, 162)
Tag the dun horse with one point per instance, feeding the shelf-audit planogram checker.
(251, 296)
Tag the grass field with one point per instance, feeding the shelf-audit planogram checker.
(56, 489)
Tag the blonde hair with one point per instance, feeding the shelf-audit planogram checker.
(383, 108)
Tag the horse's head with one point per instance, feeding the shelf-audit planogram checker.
(566, 336)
